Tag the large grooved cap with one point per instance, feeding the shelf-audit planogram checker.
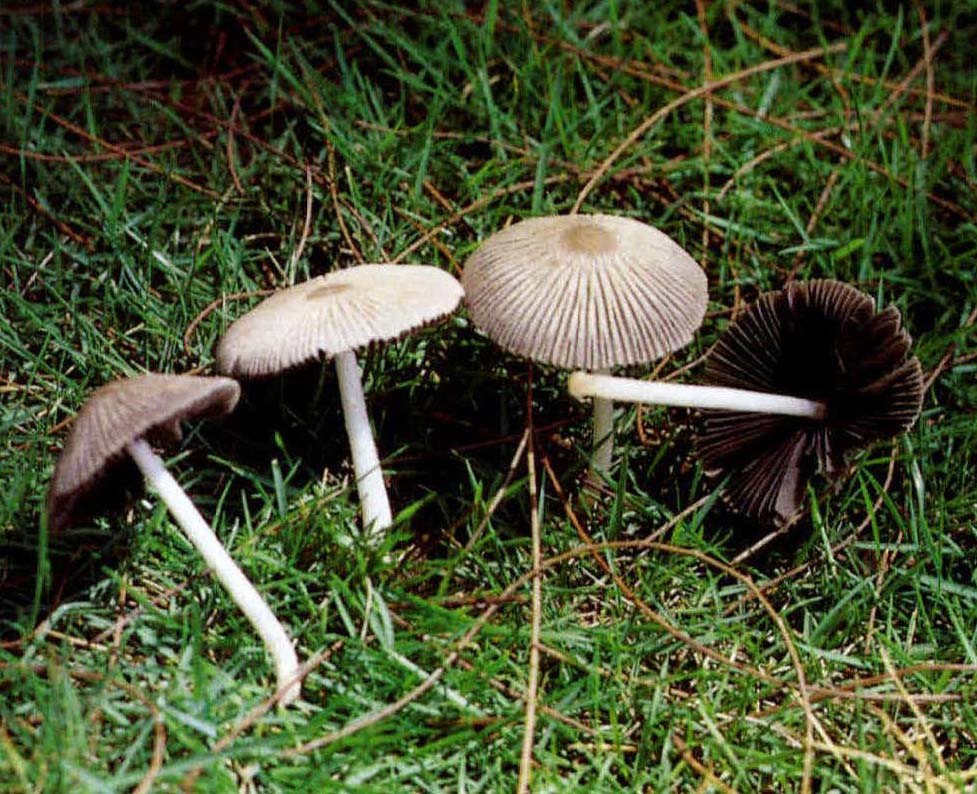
(120, 412)
(585, 291)
(343, 310)
(822, 340)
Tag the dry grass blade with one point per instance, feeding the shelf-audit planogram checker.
(802, 689)
(215, 304)
(532, 679)
(638, 132)
(260, 710)
(158, 753)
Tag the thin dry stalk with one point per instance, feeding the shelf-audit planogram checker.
(158, 753)
(638, 132)
(375, 717)
(218, 303)
(810, 720)
(928, 52)
(497, 496)
(709, 778)
(532, 681)
(306, 224)
(700, 8)
(259, 711)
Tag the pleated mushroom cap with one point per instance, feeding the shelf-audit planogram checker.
(343, 310)
(822, 340)
(121, 411)
(585, 291)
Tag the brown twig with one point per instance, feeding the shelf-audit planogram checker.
(445, 251)
(847, 74)
(765, 155)
(338, 206)
(783, 124)
(234, 296)
(149, 165)
(948, 354)
(477, 204)
(497, 497)
(307, 223)
(230, 148)
(260, 710)
(709, 778)
(700, 8)
(374, 717)
(158, 753)
(638, 132)
(687, 639)
(40, 209)
(532, 679)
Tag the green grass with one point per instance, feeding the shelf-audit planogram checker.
(153, 163)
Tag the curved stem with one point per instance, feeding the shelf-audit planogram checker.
(238, 587)
(374, 503)
(583, 384)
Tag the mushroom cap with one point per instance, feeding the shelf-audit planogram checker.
(343, 310)
(121, 411)
(585, 291)
(822, 340)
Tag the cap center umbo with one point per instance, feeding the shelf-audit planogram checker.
(589, 238)
(326, 291)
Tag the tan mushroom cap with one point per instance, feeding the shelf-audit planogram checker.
(119, 412)
(585, 291)
(344, 310)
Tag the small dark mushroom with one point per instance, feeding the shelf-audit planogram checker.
(822, 341)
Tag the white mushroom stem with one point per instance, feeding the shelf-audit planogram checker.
(606, 387)
(240, 589)
(374, 503)
(603, 437)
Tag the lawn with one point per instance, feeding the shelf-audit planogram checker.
(162, 171)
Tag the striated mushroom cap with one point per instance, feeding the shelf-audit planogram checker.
(343, 310)
(822, 340)
(119, 412)
(585, 291)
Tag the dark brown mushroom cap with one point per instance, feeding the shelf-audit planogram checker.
(343, 310)
(822, 340)
(119, 412)
(585, 291)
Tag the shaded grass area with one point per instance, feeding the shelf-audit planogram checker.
(152, 166)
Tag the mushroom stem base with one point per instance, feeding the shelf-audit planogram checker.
(683, 395)
(240, 589)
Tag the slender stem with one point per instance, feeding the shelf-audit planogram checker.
(532, 682)
(603, 438)
(583, 384)
(225, 569)
(374, 503)
(600, 463)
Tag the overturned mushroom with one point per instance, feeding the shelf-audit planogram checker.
(798, 381)
(586, 291)
(332, 316)
(119, 419)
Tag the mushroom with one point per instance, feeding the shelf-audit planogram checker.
(586, 291)
(801, 379)
(121, 418)
(332, 316)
